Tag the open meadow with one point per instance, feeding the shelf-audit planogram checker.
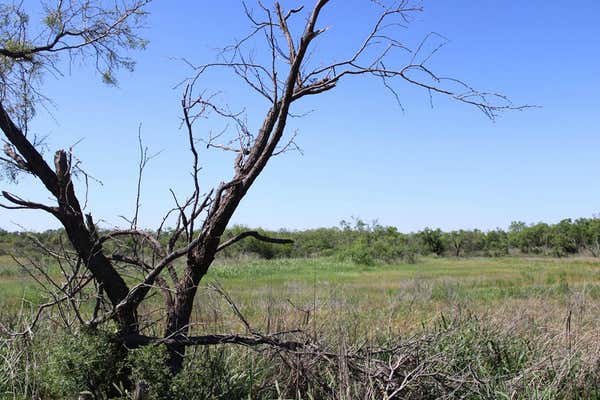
(397, 298)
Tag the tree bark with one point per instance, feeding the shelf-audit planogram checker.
(178, 319)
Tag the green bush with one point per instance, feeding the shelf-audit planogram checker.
(148, 364)
(92, 362)
(84, 362)
(219, 374)
(565, 238)
(475, 358)
(358, 252)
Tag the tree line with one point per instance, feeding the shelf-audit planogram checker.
(368, 243)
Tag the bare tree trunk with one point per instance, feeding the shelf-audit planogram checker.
(198, 261)
(113, 284)
(178, 322)
(179, 318)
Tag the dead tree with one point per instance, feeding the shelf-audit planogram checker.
(285, 73)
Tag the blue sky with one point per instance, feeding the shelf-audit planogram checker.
(447, 166)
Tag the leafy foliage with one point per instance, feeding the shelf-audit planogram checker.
(371, 243)
(83, 362)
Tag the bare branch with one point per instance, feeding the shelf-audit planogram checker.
(25, 204)
(208, 340)
(255, 235)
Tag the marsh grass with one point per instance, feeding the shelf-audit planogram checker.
(490, 328)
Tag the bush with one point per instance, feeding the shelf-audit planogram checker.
(358, 252)
(92, 362)
(369, 244)
(220, 373)
(148, 364)
(466, 357)
(87, 361)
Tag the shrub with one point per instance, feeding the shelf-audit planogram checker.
(88, 361)
(148, 364)
(219, 374)
(359, 252)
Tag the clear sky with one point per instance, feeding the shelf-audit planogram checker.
(446, 166)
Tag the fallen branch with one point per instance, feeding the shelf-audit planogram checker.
(207, 340)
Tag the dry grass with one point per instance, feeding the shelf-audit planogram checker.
(401, 299)
(482, 328)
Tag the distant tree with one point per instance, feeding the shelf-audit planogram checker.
(539, 237)
(373, 243)
(590, 232)
(534, 238)
(515, 235)
(290, 68)
(566, 238)
(317, 242)
(433, 241)
(458, 241)
(496, 243)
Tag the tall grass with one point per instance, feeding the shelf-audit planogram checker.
(475, 328)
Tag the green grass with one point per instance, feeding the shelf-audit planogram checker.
(473, 278)
(499, 318)
(399, 297)
(306, 270)
(402, 296)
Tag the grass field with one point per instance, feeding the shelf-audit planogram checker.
(542, 312)
(404, 297)
(398, 298)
